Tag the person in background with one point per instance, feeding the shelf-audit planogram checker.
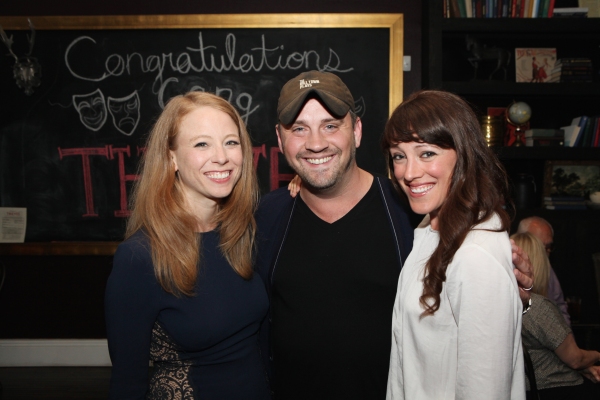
(182, 292)
(456, 328)
(557, 360)
(542, 229)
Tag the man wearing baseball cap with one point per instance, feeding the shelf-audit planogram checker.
(331, 255)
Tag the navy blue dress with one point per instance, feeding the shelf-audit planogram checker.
(203, 347)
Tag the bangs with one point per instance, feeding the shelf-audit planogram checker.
(418, 129)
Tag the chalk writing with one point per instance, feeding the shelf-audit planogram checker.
(110, 152)
(202, 59)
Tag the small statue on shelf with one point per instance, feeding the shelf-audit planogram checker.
(479, 53)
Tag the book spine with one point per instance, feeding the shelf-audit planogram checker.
(563, 198)
(468, 8)
(582, 123)
(462, 9)
(523, 8)
(454, 11)
(554, 200)
(567, 207)
(597, 133)
(533, 8)
(544, 8)
(480, 8)
(551, 8)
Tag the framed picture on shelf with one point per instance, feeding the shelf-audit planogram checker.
(570, 178)
(534, 65)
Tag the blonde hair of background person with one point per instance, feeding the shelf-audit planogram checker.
(537, 255)
(158, 203)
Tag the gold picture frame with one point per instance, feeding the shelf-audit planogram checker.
(568, 178)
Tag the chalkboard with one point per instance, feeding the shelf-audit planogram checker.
(69, 151)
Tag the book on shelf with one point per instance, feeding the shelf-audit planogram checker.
(544, 137)
(581, 123)
(551, 8)
(572, 131)
(543, 141)
(560, 202)
(596, 139)
(534, 64)
(566, 207)
(570, 12)
(557, 197)
(588, 132)
(543, 132)
(535, 9)
(569, 134)
(576, 71)
(575, 61)
(576, 79)
(498, 8)
(564, 202)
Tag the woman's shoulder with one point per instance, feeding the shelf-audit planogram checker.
(485, 246)
(134, 253)
(542, 306)
(489, 236)
(138, 241)
(545, 322)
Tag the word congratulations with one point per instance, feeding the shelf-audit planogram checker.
(206, 58)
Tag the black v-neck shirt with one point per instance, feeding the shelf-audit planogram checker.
(333, 293)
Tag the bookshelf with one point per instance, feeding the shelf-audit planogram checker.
(553, 104)
(446, 66)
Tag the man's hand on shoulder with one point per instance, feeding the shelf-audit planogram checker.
(523, 271)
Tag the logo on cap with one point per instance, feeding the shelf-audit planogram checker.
(304, 83)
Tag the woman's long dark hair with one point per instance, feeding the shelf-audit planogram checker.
(479, 186)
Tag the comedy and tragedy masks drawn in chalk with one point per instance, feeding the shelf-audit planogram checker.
(93, 111)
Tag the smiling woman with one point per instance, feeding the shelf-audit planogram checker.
(457, 315)
(182, 291)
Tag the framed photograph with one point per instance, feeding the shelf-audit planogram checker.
(534, 65)
(570, 178)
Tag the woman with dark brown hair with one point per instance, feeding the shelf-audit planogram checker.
(457, 318)
(182, 292)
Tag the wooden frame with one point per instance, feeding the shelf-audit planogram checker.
(393, 22)
(583, 169)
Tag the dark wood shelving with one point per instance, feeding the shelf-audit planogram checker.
(522, 25)
(548, 153)
(504, 88)
(59, 249)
